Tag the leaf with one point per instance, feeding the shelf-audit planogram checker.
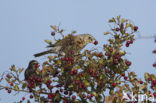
(128, 25)
(20, 70)
(48, 41)
(13, 68)
(124, 20)
(118, 18)
(24, 85)
(106, 33)
(86, 83)
(61, 31)
(8, 80)
(50, 58)
(112, 20)
(28, 101)
(16, 88)
(53, 27)
(73, 32)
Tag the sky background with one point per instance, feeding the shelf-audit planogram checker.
(24, 25)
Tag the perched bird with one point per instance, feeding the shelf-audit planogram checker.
(31, 69)
(70, 43)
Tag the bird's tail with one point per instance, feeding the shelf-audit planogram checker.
(43, 53)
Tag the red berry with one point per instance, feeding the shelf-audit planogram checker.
(125, 77)
(100, 55)
(154, 94)
(84, 96)
(31, 96)
(52, 33)
(37, 66)
(154, 51)
(51, 101)
(123, 74)
(149, 78)
(73, 97)
(127, 45)
(75, 71)
(131, 41)
(128, 63)
(114, 84)
(8, 76)
(9, 91)
(96, 42)
(92, 95)
(53, 94)
(106, 70)
(23, 98)
(154, 82)
(72, 52)
(11, 84)
(154, 65)
(117, 29)
(50, 87)
(135, 28)
(141, 82)
(49, 81)
(49, 96)
(61, 90)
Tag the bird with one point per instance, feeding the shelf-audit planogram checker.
(31, 69)
(69, 43)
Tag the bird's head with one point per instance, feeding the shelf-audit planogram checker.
(33, 64)
(88, 38)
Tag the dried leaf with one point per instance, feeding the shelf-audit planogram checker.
(53, 27)
(16, 88)
(48, 41)
(106, 33)
(20, 70)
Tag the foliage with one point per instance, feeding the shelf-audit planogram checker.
(89, 76)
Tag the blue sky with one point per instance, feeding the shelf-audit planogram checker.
(24, 24)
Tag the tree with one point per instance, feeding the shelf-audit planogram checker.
(90, 76)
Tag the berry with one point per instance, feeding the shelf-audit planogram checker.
(8, 76)
(75, 71)
(84, 96)
(154, 82)
(123, 74)
(135, 28)
(114, 84)
(92, 95)
(73, 97)
(127, 45)
(51, 101)
(141, 82)
(52, 33)
(131, 41)
(154, 65)
(49, 96)
(128, 63)
(72, 52)
(154, 94)
(96, 42)
(23, 98)
(100, 55)
(125, 77)
(11, 84)
(31, 96)
(9, 91)
(154, 51)
(37, 66)
(117, 29)
(149, 78)
(106, 70)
